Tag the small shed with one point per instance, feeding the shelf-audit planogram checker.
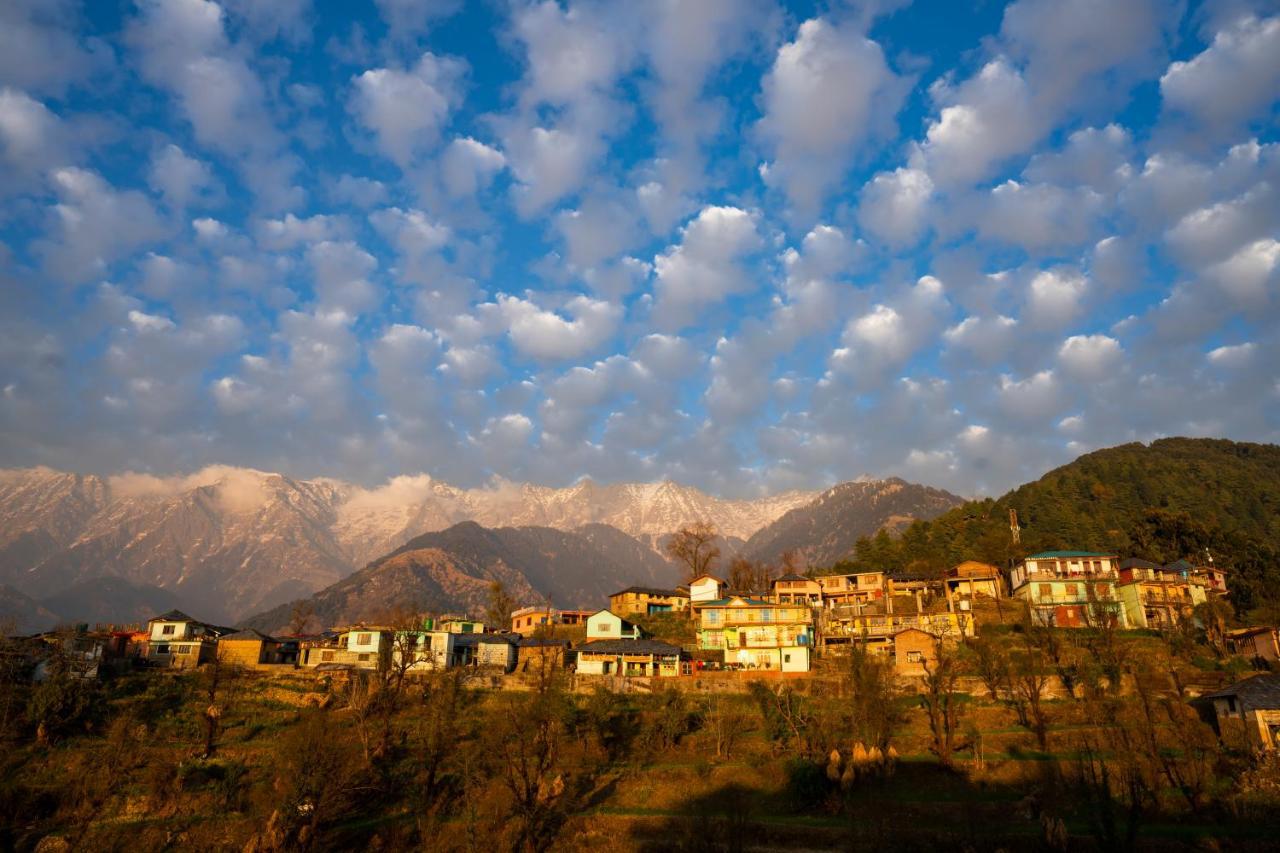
(1246, 714)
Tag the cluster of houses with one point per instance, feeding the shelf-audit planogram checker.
(778, 630)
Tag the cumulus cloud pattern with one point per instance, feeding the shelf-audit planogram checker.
(738, 243)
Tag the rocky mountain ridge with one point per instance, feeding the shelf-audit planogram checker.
(233, 541)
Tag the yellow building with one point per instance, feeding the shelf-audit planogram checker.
(971, 579)
(249, 649)
(645, 600)
(797, 589)
(855, 590)
(1155, 596)
(758, 634)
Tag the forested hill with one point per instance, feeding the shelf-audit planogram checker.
(1164, 501)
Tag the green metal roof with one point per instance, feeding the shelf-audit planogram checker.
(1049, 555)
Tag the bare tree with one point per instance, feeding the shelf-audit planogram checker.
(941, 703)
(219, 683)
(743, 575)
(723, 721)
(693, 545)
(497, 611)
(870, 686)
(1028, 683)
(301, 616)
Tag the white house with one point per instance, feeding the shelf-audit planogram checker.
(607, 625)
(706, 588)
(176, 639)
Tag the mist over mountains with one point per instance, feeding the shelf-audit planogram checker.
(229, 542)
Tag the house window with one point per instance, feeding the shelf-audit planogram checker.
(162, 650)
(363, 639)
(1046, 590)
(364, 657)
(915, 657)
(168, 629)
(1072, 590)
(786, 658)
(326, 657)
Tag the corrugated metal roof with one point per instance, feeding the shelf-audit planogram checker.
(1049, 555)
(1260, 692)
(629, 647)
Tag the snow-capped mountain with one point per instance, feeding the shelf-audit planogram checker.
(232, 541)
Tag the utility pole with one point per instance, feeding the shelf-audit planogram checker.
(1014, 529)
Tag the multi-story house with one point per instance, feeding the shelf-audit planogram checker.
(970, 580)
(357, 647)
(177, 640)
(527, 620)
(1069, 589)
(1212, 578)
(1155, 596)
(877, 630)
(797, 589)
(703, 589)
(757, 634)
(855, 590)
(644, 600)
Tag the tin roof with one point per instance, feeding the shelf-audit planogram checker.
(628, 647)
(1049, 555)
(1260, 692)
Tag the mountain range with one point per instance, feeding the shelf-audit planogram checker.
(229, 542)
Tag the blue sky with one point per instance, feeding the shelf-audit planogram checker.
(742, 244)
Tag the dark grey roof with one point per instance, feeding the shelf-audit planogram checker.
(792, 576)
(629, 647)
(537, 642)
(173, 616)
(1260, 692)
(652, 590)
(1137, 563)
(485, 639)
(248, 634)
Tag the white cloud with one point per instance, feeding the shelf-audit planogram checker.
(704, 268)
(289, 232)
(93, 225)
(342, 271)
(359, 191)
(1055, 298)
(1036, 398)
(829, 92)
(986, 120)
(885, 337)
(184, 49)
(39, 50)
(407, 109)
(1249, 274)
(180, 179)
(1233, 81)
(1037, 217)
(1090, 358)
(468, 166)
(407, 19)
(1098, 158)
(1214, 232)
(988, 338)
(32, 140)
(547, 336)
(894, 206)
(1233, 357)
(601, 228)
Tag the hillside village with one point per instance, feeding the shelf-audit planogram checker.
(706, 633)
